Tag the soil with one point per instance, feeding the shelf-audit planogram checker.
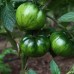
(40, 64)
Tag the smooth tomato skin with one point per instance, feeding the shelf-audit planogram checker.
(61, 45)
(30, 17)
(34, 46)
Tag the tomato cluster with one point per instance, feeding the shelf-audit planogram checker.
(30, 17)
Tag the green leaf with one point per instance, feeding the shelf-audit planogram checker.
(56, 4)
(71, 70)
(2, 29)
(19, 0)
(1, 57)
(9, 51)
(54, 67)
(1, 3)
(61, 7)
(68, 17)
(4, 68)
(8, 17)
(42, 2)
(31, 71)
(23, 72)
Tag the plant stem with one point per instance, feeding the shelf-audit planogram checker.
(46, 4)
(59, 25)
(35, 1)
(52, 19)
(55, 21)
(10, 38)
(23, 62)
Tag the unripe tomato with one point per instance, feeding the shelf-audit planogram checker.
(61, 45)
(34, 46)
(30, 17)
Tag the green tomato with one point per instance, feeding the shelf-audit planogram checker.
(34, 46)
(30, 17)
(61, 45)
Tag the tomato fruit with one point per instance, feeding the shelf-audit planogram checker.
(30, 17)
(34, 46)
(61, 44)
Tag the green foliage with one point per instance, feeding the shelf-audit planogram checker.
(61, 7)
(68, 17)
(57, 4)
(54, 67)
(71, 70)
(1, 2)
(9, 51)
(19, 0)
(1, 57)
(42, 2)
(6, 52)
(31, 71)
(4, 68)
(8, 17)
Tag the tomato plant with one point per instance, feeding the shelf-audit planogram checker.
(39, 25)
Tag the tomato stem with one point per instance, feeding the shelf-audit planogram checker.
(35, 1)
(11, 39)
(46, 4)
(60, 26)
(23, 62)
